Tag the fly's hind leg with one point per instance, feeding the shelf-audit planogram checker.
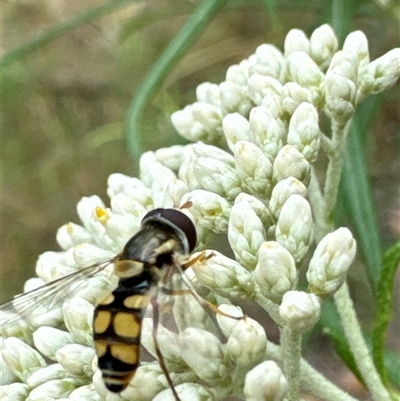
(161, 360)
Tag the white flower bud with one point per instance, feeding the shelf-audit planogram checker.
(53, 389)
(331, 261)
(265, 382)
(53, 265)
(267, 131)
(229, 318)
(304, 131)
(292, 95)
(174, 192)
(21, 358)
(236, 128)
(210, 117)
(76, 359)
(186, 392)
(275, 273)
(254, 168)
(206, 356)
(295, 41)
(49, 339)
(126, 205)
(357, 43)
(238, 73)
(290, 162)
(187, 124)
(234, 98)
(260, 86)
(216, 176)
(86, 207)
(294, 229)
(300, 310)
(224, 276)
(130, 186)
(85, 393)
(43, 375)
(245, 234)
(259, 207)
(7, 375)
(323, 44)
(170, 157)
(340, 97)
(209, 93)
(85, 255)
(304, 71)
(380, 74)
(119, 229)
(247, 343)
(210, 210)
(344, 64)
(78, 317)
(269, 61)
(71, 234)
(14, 392)
(281, 192)
(273, 103)
(203, 150)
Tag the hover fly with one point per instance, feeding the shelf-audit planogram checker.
(157, 251)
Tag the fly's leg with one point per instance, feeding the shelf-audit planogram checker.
(161, 361)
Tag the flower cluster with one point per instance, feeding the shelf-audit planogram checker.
(249, 174)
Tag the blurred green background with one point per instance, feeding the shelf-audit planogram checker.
(65, 100)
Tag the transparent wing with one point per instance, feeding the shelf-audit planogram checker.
(49, 296)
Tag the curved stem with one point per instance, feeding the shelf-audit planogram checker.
(358, 346)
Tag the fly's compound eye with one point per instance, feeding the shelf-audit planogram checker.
(176, 219)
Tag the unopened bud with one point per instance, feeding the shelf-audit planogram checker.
(304, 131)
(290, 162)
(323, 44)
(245, 234)
(254, 168)
(300, 310)
(294, 229)
(275, 273)
(265, 382)
(331, 261)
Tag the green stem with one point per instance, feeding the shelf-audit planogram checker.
(357, 344)
(334, 171)
(311, 380)
(271, 308)
(186, 36)
(291, 345)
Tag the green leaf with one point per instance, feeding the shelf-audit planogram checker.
(187, 35)
(331, 326)
(383, 314)
(355, 193)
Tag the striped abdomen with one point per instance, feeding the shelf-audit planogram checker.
(117, 325)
